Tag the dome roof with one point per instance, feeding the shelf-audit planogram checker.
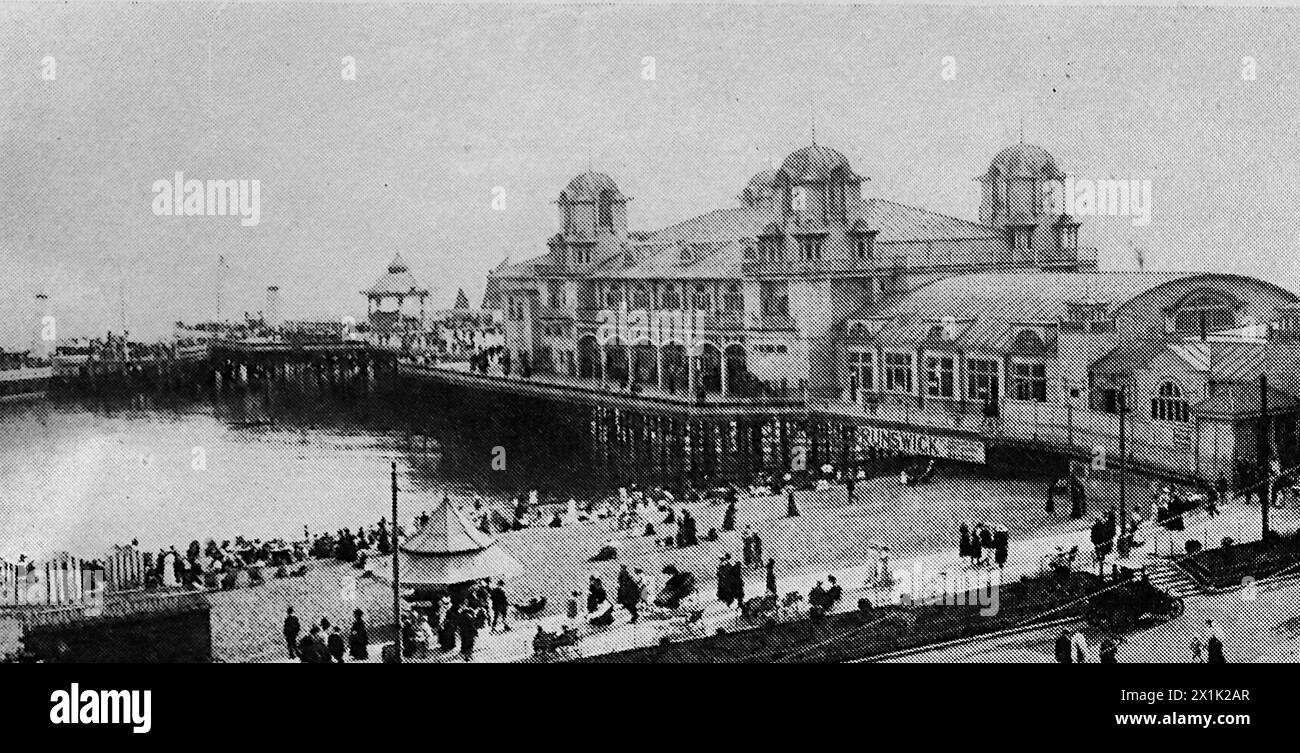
(1025, 161)
(588, 187)
(760, 187)
(817, 164)
(398, 280)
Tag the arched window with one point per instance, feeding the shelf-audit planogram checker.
(1169, 404)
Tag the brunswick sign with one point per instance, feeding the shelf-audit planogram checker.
(912, 443)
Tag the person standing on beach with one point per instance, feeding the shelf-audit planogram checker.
(500, 605)
(291, 629)
(771, 577)
(467, 626)
(358, 641)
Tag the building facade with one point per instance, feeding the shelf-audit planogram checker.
(879, 312)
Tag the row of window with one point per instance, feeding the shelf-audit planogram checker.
(1028, 378)
(774, 298)
(1028, 381)
(769, 349)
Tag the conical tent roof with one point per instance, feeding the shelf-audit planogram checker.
(448, 550)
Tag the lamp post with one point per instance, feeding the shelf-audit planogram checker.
(397, 589)
(1265, 475)
(1123, 457)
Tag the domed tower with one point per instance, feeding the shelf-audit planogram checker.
(816, 183)
(760, 192)
(1020, 190)
(592, 206)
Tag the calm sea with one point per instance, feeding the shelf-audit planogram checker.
(83, 475)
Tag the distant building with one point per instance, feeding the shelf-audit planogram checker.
(396, 314)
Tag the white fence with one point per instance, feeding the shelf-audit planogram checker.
(61, 580)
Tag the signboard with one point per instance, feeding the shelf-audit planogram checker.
(913, 443)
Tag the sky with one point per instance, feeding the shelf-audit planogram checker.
(453, 102)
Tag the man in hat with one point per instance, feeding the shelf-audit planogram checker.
(500, 606)
(291, 629)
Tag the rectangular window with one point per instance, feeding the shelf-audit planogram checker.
(861, 374)
(703, 301)
(555, 294)
(982, 379)
(732, 300)
(672, 298)
(774, 298)
(640, 297)
(897, 372)
(810, 249)
(939, 376)
(1029, 381)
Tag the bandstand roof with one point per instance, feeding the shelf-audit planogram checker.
(397, 280)
(449, 550)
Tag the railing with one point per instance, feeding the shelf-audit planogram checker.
(1165, 446)
(780, 322)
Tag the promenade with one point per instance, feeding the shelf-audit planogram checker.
(831, 536)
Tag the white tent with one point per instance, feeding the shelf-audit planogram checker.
(448, 551)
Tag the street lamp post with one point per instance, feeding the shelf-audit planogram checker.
(397, 589)
(1265, 475)
(1123, 456)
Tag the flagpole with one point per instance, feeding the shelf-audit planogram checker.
(397, 589)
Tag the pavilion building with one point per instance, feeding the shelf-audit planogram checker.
(879, 313)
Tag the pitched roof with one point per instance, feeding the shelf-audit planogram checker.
(448, 550)
(1240, 399)
(1127, 357)
(447, 532)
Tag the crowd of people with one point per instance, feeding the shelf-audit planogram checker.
(456, 616)
(323, 643)
(974, 542)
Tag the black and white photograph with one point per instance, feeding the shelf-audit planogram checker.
(647, 333)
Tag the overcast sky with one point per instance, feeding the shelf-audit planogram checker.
(450, 102)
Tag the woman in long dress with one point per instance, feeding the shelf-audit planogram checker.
(358, 641)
